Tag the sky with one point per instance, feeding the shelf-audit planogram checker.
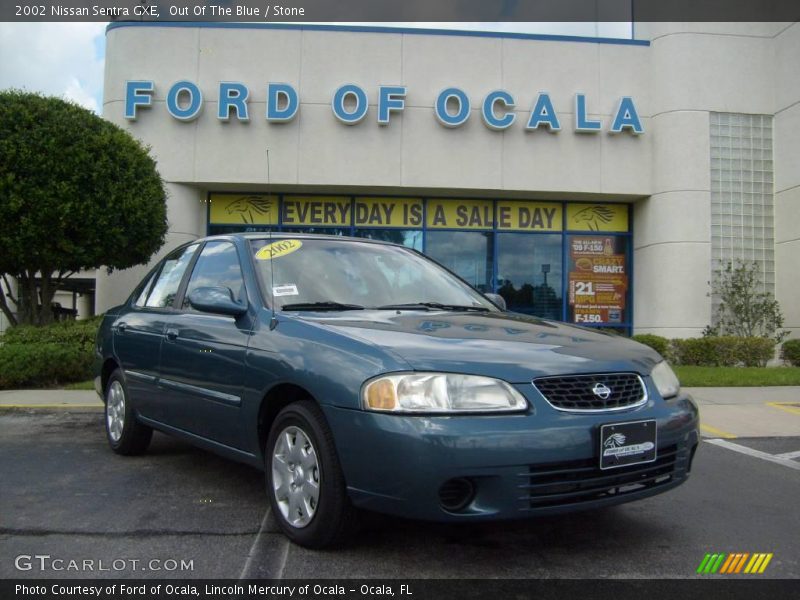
(67, 59)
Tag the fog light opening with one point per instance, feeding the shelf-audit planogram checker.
(456, 494)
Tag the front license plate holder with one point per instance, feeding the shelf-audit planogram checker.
(625, 444)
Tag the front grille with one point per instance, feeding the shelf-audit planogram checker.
(575, 482)
(576, 392)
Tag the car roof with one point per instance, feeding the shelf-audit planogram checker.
(261, 235)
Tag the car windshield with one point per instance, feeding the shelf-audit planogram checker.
(324, 274)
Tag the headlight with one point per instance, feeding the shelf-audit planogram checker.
(665, 379)
(440, 393)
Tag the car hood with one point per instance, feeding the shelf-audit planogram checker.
(509, 346)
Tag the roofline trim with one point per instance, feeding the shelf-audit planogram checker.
(380, 29)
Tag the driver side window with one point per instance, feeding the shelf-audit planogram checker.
(217, 266)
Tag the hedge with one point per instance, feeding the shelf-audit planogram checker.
(63, 332)
(656, 342)
(42, 365)
(46, 356)
(723, 351)
(790, 352)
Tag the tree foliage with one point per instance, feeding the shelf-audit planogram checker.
(745, 309)
(76, 192)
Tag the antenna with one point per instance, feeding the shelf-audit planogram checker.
(273, 322)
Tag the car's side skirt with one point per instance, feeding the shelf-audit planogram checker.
(205, 443)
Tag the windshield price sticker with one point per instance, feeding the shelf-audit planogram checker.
(285, 289)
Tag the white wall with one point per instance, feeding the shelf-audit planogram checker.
(786, 143)
(694, 69)
(689, 70)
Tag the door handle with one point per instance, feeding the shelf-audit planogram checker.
(172, 334)
(121, 327)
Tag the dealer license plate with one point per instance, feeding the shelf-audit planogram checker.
(623, 444)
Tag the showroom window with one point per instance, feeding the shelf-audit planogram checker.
(565, 261)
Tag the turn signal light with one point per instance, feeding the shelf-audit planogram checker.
(381, 396)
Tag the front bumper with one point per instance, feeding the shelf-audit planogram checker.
(537, 463)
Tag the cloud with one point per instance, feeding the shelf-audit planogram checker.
(67, 59)
(59, 59)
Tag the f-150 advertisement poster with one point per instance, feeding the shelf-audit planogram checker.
(598, 279)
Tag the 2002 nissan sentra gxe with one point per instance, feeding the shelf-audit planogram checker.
(361, 374)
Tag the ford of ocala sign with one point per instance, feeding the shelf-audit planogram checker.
(349, 104)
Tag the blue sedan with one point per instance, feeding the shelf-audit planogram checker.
(363, 375)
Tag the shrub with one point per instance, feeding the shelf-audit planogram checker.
(702, 352)
(44, 356)
(33, 365)
(64, 332)
(745, 309)
(723, 351)
(790, 351)
(656, 342)
(755, 351)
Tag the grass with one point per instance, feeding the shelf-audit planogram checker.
(80, 385)
(737, 376)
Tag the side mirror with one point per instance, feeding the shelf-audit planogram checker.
(217, 300)
(497, 299)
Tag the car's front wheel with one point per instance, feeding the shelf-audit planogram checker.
(306, 488)
(126, 435)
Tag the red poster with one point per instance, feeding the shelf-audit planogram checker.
(598, 279)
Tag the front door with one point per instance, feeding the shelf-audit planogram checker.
(203, 357)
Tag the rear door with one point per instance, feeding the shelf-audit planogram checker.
(138, 332)
(203, 355)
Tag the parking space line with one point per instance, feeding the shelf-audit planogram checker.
(789, 455)
(790, 407)
(717, 432)
(755, 453)
(254, 551)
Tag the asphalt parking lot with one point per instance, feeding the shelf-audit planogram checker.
(64, 494)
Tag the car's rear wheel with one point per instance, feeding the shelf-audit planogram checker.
(305, 484)
(126, 435)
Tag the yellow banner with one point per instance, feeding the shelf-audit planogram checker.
(528, 216)
(388, 212)
(597, 217)
(460, 214)
(318, 211)
(243, 209)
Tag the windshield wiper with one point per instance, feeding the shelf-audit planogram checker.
(434, 305)
(321, 306)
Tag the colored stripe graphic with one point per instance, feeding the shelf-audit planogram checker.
(732, 558)
(741, 562)
(765, 563)
(703, 563)
(734, 562)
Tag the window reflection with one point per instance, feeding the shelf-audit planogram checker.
(529, 273)
(466, 253)
(410, 238)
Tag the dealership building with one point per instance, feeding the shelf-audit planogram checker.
(591, 180)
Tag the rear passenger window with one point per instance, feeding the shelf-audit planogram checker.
(142, 297)
(217, 266)
(166, 287)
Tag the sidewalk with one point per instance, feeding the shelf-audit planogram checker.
(49, 399)
(748, 411)
(724, 412)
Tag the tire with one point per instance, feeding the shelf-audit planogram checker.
(126, 435)
(305, 484)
